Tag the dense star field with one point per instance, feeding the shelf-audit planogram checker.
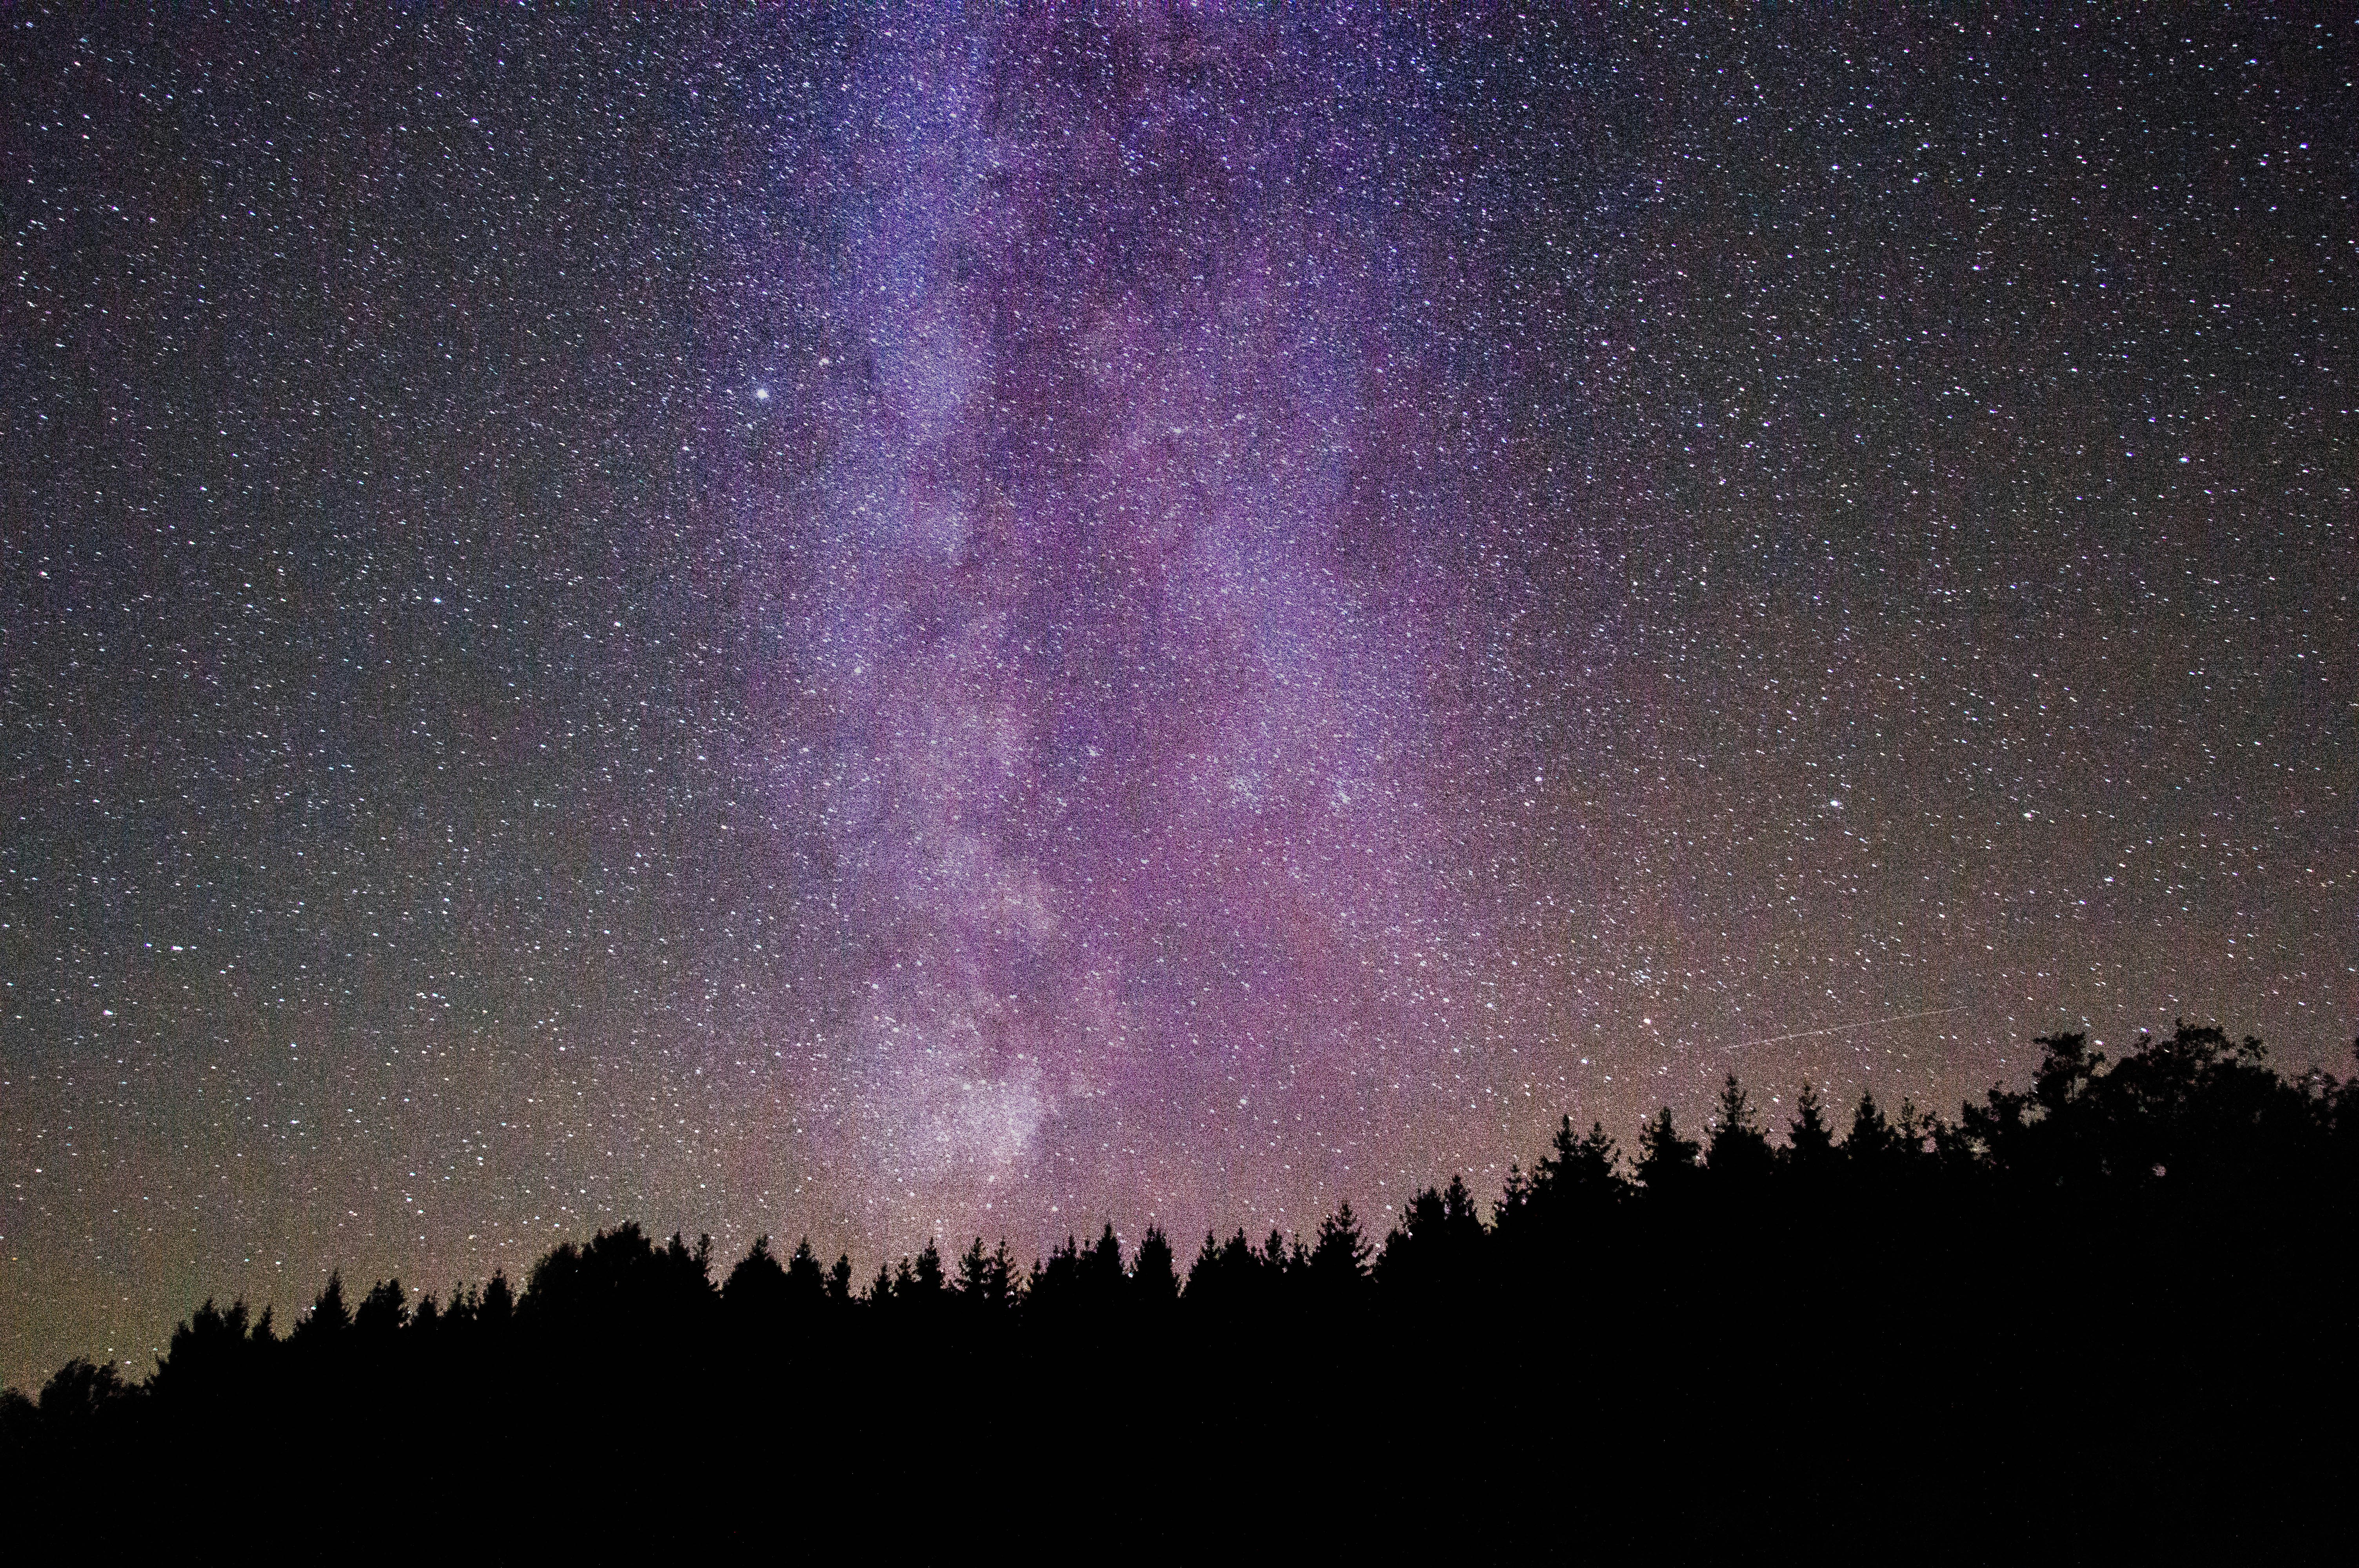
(860, 626)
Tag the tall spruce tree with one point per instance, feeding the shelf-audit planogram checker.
(1667, 1161)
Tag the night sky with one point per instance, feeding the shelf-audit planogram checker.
(872, 628)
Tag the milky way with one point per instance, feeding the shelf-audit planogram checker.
(834, 624)
(1143, 639)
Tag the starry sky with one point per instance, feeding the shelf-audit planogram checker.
(878, 623)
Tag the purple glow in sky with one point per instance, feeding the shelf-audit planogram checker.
(817, 622)
(1148, 632)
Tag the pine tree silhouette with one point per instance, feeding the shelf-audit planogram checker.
(498, 1305)
(807, 1286)
(1338, 1264)
(2169, 1196)
(756, 1292)
(1155, 1279)
(1809, 1149)
(382, 1313)
(1738, 1156)
(329, 1317)
(1666, 1161)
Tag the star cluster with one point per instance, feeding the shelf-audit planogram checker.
(852, 623)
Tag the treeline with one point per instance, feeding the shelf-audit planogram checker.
(2163, 1240)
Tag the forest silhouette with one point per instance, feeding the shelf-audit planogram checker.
(2117, 1300)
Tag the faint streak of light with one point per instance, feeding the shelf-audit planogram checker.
(1844, 1028)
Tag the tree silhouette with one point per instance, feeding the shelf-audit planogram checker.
(1879, 1148)
(925, 1289)
(1809, 1149)
(2087, 1249)
(1514, 1197)
(329, 1317)
(2066, 1067)
(756, 1291)
(1155, 1279)
(987, 1280)
(806, 1283)
(498, 1305)
(1666, 1161)
(1102, 1271)
(1438, 1241)
(208, 1352)
(382, 1313)
(80, 1397)
(1227, 1277)
(1738, 1155)
(1338, 1264)
(1277, 1261)
(1581, 1175)
(1054, 1287)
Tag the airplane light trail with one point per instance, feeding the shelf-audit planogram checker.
(1844, 1028)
